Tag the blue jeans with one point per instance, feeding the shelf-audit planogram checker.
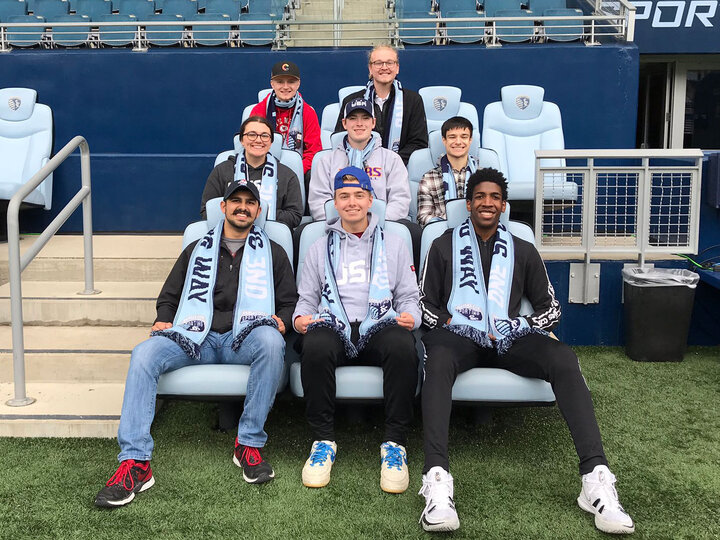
(263, 350)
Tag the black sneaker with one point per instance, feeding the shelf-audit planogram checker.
(255, 469)
(131, 477)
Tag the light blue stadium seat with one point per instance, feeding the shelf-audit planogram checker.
(492, 6)
(261, 95)
(457, 5)
(27, 36)
(351, 382)
(568, 30)
(417, 33)
(443, 102)
(269, 8)
(464, 31)
(515, 31)
(208, 35)
(26, 131)
(117, 36)
(331, 112)
(70, 36)
(424, 159)
(165, 36)
(142, 9)
(517, 126)
(219, 381)
(9, 8)
(539, 6)
(261, 32)
(51, 8)
(228, 7)
(186, 8)
(92, 8)
(491, 385)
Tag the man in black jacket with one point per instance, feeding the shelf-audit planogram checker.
(472, 284)
(200, 324)
(256, 136)
(402, 133)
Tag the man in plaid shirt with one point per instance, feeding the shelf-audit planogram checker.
(434, 187)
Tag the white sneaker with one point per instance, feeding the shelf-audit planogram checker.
(598, 496)
(439, 513)
(394, 476)
(316, 472)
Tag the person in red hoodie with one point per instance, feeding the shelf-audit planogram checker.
(293, 118)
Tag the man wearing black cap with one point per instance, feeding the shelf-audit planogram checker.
(293, 118)
(400, 112)
(219, 297)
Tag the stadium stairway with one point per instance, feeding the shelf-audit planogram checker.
(77, 347)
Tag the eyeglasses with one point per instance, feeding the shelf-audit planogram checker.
(252, 136)
(380, 63)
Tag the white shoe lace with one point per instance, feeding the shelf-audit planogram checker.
(437, 493)
(603, 488)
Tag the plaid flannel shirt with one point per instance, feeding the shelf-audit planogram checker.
(431, 195)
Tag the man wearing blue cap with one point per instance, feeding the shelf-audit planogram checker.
(209, 312)
(358, 304)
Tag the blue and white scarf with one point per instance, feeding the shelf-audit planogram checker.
(256, 292)
(380, 311)
(449, 185)
(293, 139)
(358, 158)
(477, 312)
(395, 119)
(268, 183)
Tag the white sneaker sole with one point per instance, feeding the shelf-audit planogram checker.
(316, 481)
(444, 526)
(601, 523)
(127, 500)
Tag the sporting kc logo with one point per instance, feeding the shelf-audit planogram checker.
(440, 103)
(14, 103)
(522, 102)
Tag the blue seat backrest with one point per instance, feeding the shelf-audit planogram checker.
(261, 95)
(278, 232)
(26, 129)
(93, 8)
(50, 8)
(492, 6)
(11, 9)
(142, 9)
(331, 112)
(517, 126)
(186, 8)
(443, 102)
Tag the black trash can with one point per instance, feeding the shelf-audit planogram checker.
(658, 305)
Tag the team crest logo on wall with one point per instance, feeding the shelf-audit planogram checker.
(522, 102)
(14, 103)
(440, 103)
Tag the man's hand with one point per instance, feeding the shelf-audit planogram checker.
(406, 320)
(281, 325)
(160, 326)
(303, 321)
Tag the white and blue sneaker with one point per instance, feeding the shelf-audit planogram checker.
(394, 476)
(316, 472)
(439, 513)
(599, 497)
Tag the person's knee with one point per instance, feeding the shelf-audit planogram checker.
(318, 345)
(144, 358)
(564, 361)
(270, 341)
(437, 362)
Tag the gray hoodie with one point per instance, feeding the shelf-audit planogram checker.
(353, 274)
(387, 173)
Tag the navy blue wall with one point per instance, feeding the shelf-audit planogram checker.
(156, 120)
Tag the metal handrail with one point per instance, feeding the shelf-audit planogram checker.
(18, 263)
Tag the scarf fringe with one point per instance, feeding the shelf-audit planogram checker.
(504, 344)
(350, 349)
(473, 334)
(188, 346)
(237, 340)
(374, 330)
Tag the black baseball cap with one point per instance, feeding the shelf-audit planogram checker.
(241, 184)
(285, 68)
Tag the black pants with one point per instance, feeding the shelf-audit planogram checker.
(535, 355)
(392, 348)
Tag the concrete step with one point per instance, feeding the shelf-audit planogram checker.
(58, 303)
(63, 410)
(116, 258)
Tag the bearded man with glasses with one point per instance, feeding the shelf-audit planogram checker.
(399, 112)
(278, 185)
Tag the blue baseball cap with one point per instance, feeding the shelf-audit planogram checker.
(353, 177)
(358, 104)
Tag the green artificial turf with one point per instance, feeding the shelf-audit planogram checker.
(515, 476)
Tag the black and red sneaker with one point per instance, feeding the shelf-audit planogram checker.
(255, 469)
(131, 477)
